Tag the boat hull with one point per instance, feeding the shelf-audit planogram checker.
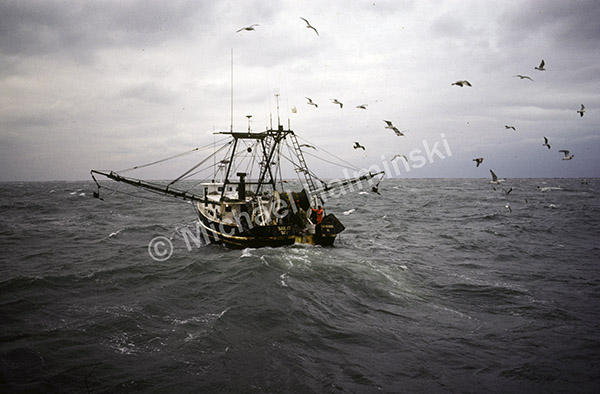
(267, 236)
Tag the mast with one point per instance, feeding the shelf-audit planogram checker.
(231, 124)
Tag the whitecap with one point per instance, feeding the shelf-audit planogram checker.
(545, 189)
(282, 280)
(246, 253)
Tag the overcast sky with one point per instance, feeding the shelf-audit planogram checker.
(113, 84)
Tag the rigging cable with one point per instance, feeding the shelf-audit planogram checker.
(340, 159)
(166, 159)
(199, 164)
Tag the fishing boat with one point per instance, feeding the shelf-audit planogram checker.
(246, 202)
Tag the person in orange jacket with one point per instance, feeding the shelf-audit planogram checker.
(319, 212)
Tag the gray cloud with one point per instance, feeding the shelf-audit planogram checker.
(123, 82)
(48, 27)
(571, 26)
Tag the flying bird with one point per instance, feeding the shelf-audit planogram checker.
(546, 143)
(495, 179)
(335, 101)
(507, 192)
(478, 160)
(567, 155)
(307, 146)
(390, 125)
(310, 102)
(510, 127)
(581, 111)
(461, 83)
(358, 146)
(541, 66)
(309, 26)
(523, 77)
(249, 28)
(362, 106)
(399, 157)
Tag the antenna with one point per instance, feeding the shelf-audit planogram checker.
(270, 113)
(249, 117)
(231, 124)
(278, 120)
(214, 157)
(287, 103)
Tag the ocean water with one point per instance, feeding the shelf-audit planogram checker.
(436, 286)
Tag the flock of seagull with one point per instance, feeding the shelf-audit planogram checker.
(567, 154)
(478, 160)
(460, 83)
(389, 125)
(252, 26)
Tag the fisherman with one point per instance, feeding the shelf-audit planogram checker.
(319, 212)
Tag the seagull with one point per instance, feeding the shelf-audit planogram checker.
(507, 192)
(541, 66)
(335, 101)
(523, 77)
(510, 127)
(310, 102)
(357, 146)
(375, 189)
(461, 83)
(582, 110)
(478, 160)
(349, 211)
(567, 155)
(362, 106)
(249, 28)
(495, 179)
(398, 132)
(399, 157)
(307, 146)
(546, 143)
(389, 124)
(309, 26)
